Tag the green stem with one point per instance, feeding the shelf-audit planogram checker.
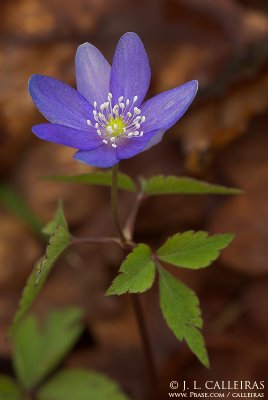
(114, 204)
(93, 240)
(130, 224)
(126, 243)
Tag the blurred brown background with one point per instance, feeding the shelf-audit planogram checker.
(223, 138)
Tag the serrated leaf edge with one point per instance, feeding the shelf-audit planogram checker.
(205, 236)
(205, 362)
(110, 292)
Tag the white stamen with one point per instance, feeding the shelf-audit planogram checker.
(108, 113)
(137, 110)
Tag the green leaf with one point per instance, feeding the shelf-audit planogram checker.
(58, 242)
(58, 220)
(9, 389)
(38, 349)
(102, 178)
(182, 185)
(78, 384)
(15, 204)
(193, 249)
(180, 308)
(137, 272)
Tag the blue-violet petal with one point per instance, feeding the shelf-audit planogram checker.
(165, 109)
(131, 72)
(58, 102)
(60, 134)
(131, 147)
(92, 73)
(102, 157)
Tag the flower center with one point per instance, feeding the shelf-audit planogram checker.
(114, 123)
(115, 126)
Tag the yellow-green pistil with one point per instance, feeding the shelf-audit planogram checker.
(115, 126)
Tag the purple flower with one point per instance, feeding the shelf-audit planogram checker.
(106, 119)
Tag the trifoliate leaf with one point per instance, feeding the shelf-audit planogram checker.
(193, 249)
(180, 308)
(100, 178)
(58, 242)
(182, 185)
(137, 272)
(9, 389)
(39, 348)
(78, 384)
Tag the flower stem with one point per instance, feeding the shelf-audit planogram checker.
(134, 297)
(114, 204)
